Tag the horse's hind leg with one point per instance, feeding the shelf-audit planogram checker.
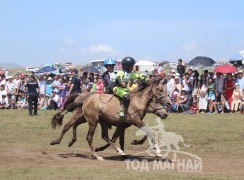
(73, 119)
(105, 136)
(80, 121)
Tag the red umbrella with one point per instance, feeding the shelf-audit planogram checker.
(226, 69)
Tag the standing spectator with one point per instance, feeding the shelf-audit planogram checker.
(160, 68)
(229, 87)
(240, 81)
(180, 68)
(56, 83)
(170, 84)
(17, 82)
(33, 92)
(3, 80)
(42, 85)
(49, 86)
(3, 93)
(63, 89)
(194, 85)
(187, 84)
(211, 94)
(99, 86)
(236, 98)
(219, 83)
(203, 94)
(94, 86)
(177, 87)
(205, 72)
(10, 89)
(75, 83)
(241, 107)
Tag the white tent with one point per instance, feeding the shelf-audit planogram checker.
(145, 65)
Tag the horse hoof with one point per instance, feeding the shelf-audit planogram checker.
(100, 158)
(124, 156)
(52, 143)
(70, 144)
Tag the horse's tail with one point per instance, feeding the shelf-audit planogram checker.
(182, 140)
(70, 99)
(57, 119)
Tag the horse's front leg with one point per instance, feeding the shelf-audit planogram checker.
(150, 135)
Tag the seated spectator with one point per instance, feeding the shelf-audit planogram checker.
(54, 102)
(21, 103)
(236, 98)
(43, 104)
(193, 108)
(219, 104)
(183, 103)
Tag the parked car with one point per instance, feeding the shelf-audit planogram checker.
(31, 69)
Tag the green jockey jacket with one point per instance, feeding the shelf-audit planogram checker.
(123, 76)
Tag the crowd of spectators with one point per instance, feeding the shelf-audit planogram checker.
(209, 93)
(53, 89)
(189, 92)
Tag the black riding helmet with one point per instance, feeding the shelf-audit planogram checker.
(128, 62)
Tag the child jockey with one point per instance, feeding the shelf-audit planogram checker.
(123, 77)
(109, 77)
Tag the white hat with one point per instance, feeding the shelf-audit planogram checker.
(183, 89)
(10, 77)
(49, 79)
(177, 77)
(177, 74)
(236, 84)
(55, 90)
(240, 71)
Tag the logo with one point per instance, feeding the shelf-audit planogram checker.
(171, 157)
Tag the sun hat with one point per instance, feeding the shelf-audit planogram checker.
(49, 79)
(183, 89)
(240, 72)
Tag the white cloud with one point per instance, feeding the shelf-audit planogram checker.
(100, 48)
(69, 42)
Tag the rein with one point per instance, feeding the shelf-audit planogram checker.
(107, 101)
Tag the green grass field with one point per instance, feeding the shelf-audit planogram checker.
(25, 152)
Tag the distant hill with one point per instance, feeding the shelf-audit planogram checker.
(10, 65)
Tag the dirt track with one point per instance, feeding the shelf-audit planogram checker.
(22, 157)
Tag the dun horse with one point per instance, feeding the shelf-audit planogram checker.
(74, 100)
(96, 111)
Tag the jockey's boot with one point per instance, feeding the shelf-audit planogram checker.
(124, 105)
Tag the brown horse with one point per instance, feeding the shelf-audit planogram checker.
(97, 111)
(75, 100)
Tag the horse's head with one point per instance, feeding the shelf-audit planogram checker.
(160, 95)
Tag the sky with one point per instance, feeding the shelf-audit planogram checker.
(49, 31)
